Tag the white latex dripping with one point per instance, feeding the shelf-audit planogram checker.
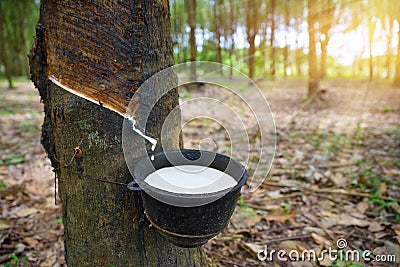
(152, 140)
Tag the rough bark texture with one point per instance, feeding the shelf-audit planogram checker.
(107, 47)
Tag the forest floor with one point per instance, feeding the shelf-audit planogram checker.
(335, 176)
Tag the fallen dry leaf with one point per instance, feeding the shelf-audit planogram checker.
(346, 219)
(320, 240)
(281, 217)
(25, 212)
(327, 261)
(380, 235)
(31, 241)
(50, 261)
(382, 188)
(376, 227)
(289, 245)
(5, 223)
(252, 248)
(362, 207)
(396, 229)
(395, 207)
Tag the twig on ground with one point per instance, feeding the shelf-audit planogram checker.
(286, 238)
(337, 191)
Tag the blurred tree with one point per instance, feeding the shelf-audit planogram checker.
(313, 77)
(371, 31)
(217, 10)
(287, 44)
(395, 5)
(326, 18)
(272, 59)
(263, 36)
(298, 13)
(190, 6)
(396, 81)
(179, 36)
(252, 25)
(231, 29)
(17, 20)
(4, 49)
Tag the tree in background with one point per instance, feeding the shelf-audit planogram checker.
(326, 18)
(272, 59)
(104, 223)
(313, 77)
(16, 36)
(396, 8)
(190, 6)
(251, 32)
(179, 36)
(287, 44)
(298, 12)
(217, 5)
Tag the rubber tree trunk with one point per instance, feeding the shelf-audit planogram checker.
(251, 31)
(313, 77)
(4, 51)
(371, 31)
(286, 48)
(272, 40)
(191, 11)
(117, 45)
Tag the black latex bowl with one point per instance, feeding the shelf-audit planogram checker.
(189, 220)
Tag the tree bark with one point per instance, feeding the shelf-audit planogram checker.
(313, 79)
(116, 44)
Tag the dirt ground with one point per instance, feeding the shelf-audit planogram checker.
(335, 176)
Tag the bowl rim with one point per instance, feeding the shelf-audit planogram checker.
(145, 186)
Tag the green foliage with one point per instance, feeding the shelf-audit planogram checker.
(247, 210)
(184, 94)
(17, 261)
(28, 126)
(2, 184)
(240, 202)
(59, 220)
(387, 108)
(9, 111)
(359, 134)
(330, 142)
(12, 159)
(286, 208)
